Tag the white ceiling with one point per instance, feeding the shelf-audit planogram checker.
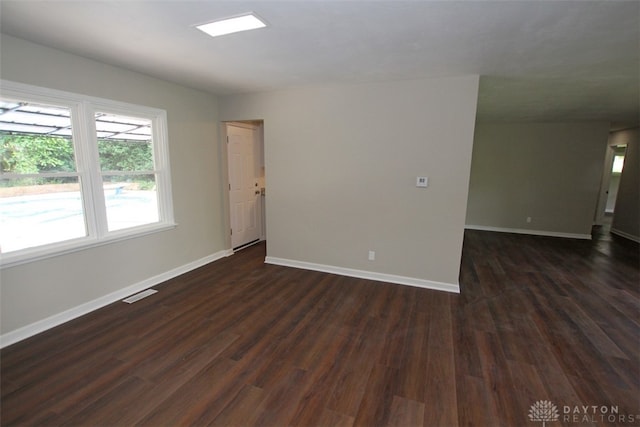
(539, 60)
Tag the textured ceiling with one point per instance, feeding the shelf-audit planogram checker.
(539, 60)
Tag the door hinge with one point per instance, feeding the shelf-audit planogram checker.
(232, 231)
(229, 187)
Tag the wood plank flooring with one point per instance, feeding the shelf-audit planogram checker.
(241, 343)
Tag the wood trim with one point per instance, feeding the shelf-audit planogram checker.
(625, 235)
(82, 309)
(369, 275)
(529, 232)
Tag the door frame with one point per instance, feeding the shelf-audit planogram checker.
(258, 127)
(605, 183)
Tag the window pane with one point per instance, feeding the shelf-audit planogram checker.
(131, 201)
(124, 143)
(39, 211)
(35, 138)
(618, 163)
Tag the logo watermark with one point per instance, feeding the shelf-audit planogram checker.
(543, 410)
(546, 411)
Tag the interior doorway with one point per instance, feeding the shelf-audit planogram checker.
(614, 181)
(246, 183)
(613, 165)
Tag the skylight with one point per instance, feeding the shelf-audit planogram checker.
(232, 25)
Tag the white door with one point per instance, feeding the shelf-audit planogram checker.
(244, 193)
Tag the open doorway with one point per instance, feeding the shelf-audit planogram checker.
(614, 181)
(614, 163)
(245, 166)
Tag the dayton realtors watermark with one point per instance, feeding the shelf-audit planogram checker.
(545, 411)
(596, 414)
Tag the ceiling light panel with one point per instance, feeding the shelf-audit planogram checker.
(232, 25)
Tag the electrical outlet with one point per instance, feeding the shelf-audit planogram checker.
(372, 255)
(528, 219)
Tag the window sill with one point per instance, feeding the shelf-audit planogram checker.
(25, 256)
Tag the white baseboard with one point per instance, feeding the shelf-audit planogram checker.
(65, 316)
(362, 274)
(625, 235)
(531, 232)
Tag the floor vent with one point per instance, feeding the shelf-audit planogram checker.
(139, 296)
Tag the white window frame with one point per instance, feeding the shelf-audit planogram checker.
(85, 144)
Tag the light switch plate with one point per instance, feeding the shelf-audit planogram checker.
(422, 181)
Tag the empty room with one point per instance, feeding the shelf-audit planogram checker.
(319, 213)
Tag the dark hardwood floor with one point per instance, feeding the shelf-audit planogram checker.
(239, 343)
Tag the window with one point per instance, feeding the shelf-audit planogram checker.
(618, 163)
(78, 171)
(127, 170)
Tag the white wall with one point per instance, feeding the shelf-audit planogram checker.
(549, 172)
(33, 292)
(341, 166)
(614, 183)
(626, 218)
